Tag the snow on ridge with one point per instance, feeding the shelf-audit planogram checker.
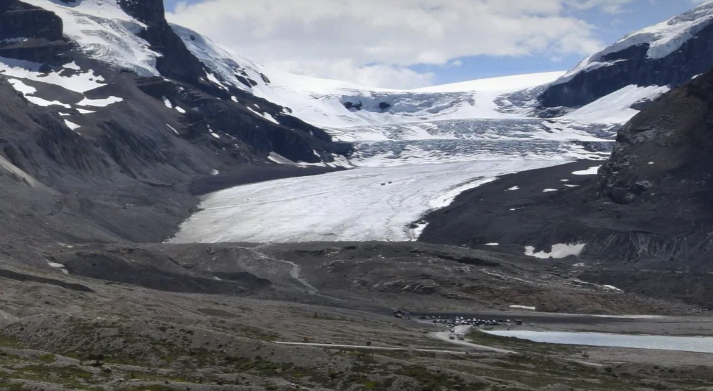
(105, 33)
(321, 101)
(222, 64)
(501, 84)
(663, 39)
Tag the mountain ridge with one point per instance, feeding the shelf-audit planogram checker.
(667, 54)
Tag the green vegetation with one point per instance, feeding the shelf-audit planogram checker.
(172, 349)
(70, 376)
(10, 386)
(156, 387)
(517, 344)
(7, 341)
(47, 358)
(439, 380)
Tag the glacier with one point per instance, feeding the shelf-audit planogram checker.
(415, 149)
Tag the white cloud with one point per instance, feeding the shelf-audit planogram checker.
(607, 6)
(391, 76)
(345, 39)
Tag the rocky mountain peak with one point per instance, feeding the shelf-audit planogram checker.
(151, 12)
(176, 61)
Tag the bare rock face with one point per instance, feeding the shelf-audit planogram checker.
(177, 61)
(20, 20)
(663, 155)
(29, 33)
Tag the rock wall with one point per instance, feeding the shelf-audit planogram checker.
(177, 61)
(665, 154)
(29, 33)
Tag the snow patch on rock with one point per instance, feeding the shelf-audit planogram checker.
(590, 171)
(559, 251)
(100, 102)
(523, 307)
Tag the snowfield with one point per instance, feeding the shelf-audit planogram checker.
(356, 205)
(616, 108)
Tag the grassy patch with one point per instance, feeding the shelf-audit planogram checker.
(7, 341)
(47, 358)
(517, 344)
(10, 386)
(539, 371)
(436, 381)
(371, 385)
(155, 387)
(70, 376)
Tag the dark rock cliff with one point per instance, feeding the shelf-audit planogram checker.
(29, 33)
(664, 155)
(177, 61)
(293, 138)
(23, 20)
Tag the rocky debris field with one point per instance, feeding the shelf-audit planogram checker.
(374, 275)
(60, 332)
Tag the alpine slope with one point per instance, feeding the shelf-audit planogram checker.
(121, 57)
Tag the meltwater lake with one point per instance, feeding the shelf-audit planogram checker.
(684, 344)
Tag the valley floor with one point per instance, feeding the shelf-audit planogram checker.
(122, 337)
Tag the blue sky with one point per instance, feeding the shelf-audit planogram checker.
(606, 21)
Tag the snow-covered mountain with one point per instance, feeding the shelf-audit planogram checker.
(474, 120)
(76, 51)
(664, 55)
(339, 104)
(133, 38)
(121, 93)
